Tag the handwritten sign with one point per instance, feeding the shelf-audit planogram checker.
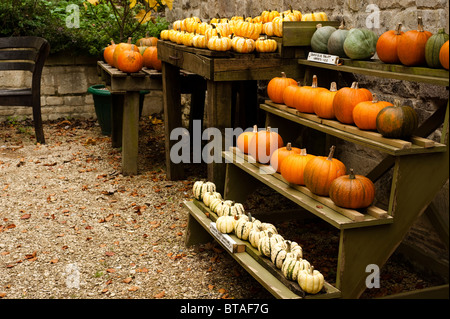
(323, 58)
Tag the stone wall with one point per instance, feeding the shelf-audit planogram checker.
(64, 85)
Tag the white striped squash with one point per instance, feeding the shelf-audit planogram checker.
(225, 224)
(256, 234)
(243, 226)
(310, 280)
(209, 196)
(283, 250)
(292, 266)
(266, 244)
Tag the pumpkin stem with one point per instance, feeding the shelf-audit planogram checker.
(283, 75)
(374, 98)
(352, 174)
(319, 26)
(420, 24)
(398, 31)
(303, 152)
(397, 103)
(129, 40)
(289, 146)
(255, 128)
(342, 26)
(330, 156)
(333, 87)
(314, 82)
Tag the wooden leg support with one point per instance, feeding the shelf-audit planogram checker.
(130, 133)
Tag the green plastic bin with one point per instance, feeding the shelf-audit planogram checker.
(103, 102)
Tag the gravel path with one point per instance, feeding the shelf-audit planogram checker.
(71, 226)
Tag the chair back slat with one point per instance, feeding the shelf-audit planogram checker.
(21, 42)
(19, 54)
(20, 66)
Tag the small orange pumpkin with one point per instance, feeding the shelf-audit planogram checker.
(293, 167)
(411, 46)
(276, 86)
(307, 96)
(147, 41)
(244, 139)
(151, 60)
(290, 95)
(365, 113)
(281, 154)
(443, 55)
(263, 144)
(121, 47)
(352, 191)
(387, 45)
(323, 104)
(108, 53)
(130, 61)
(321, 171)
(346, 99)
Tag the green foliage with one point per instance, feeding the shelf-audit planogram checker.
(47, 19)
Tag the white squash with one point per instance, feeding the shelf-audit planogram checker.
(292, 266)
(256, 234)
(310, 280)
(200, 188)
(283, 250)
(209, 196)
(225, 224)
(266, 244)
(266, 226)
(243, 226)
(230, 210)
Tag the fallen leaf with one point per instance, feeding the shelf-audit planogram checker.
(54, 261)
(134, 288)
(160, 295)
(25, 216)
(127, 280)
(109, 253)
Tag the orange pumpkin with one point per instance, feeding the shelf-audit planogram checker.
(307, 96)
(263, 144)
(352, 191)
(147, 41)
(443, 55)
(130, 61)
(121, 47)
(293, 167)
(387, 45)
(323, 104)
(290, 95)
(108, 53)
(244, 139)
(365, 113)
(345, 101)
(151, 60)
(281, 154)
(276, 86)
(320, 172)
(411, 46)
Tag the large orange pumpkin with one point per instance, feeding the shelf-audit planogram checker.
(307, 96)
(130, 61)
(387, 45)
(263, 144)
(320, 172)
(244, 139)
(352, 191)
(323, 104)
(121, 47)
(293, 166)
(365, 113)
(411, 46)
(290, 95)
(443, 55)
(108, 53)
(281, 154)
(151, 60)
(276, 86)
(346, 99)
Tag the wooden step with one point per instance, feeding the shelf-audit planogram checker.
(258, 266)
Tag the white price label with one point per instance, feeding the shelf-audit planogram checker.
(323, 58)
(226, 240)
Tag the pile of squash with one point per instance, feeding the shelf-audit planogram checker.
(322, 175)
(286, 255)
(411, 48)
(131, 58)
(238, 33)
(348, 105)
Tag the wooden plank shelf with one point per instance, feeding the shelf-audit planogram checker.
(258, 266)
(351, 133)
(384, 70)
(320, 206)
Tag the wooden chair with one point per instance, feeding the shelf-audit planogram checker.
(28, 54)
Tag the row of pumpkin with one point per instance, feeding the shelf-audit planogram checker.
(238, 33)
(286, 255)
(411, 48)
(349, 105)
(131, 58)
(322, 175)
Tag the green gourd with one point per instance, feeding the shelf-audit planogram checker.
(433, 47)
(335, 43)
(319, 40)
(360, 44)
